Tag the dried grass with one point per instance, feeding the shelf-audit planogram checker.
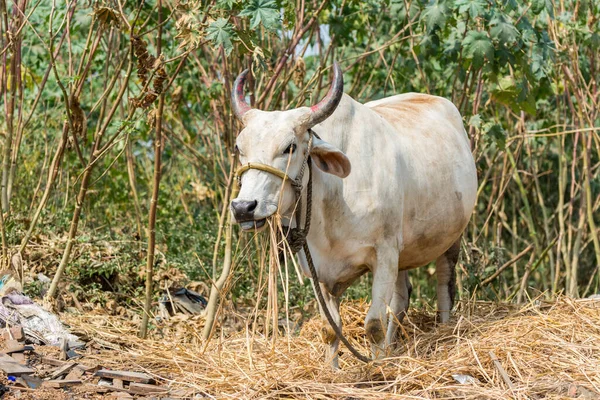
(548, 350)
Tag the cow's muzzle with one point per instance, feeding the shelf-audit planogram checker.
(243, 211)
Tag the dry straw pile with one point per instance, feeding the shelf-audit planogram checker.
(541, 350)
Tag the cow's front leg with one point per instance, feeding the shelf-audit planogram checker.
(399, 306)
(385, 272)
(327, 332)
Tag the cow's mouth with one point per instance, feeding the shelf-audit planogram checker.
(252, 224)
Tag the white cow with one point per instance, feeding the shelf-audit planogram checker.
(393, 189)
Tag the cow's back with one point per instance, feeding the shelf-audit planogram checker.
(440, 181)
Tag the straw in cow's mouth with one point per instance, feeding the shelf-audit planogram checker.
(253, 224)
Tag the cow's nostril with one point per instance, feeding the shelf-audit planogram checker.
(244, 209)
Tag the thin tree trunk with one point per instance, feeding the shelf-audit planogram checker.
(561, 248)
(5, 261)
(573, 288)
(133, 184)
(215, 291)
(589, 205)
(155, 191)
(9, 109)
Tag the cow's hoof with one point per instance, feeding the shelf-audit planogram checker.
(377, 352)
(374, 331)
(327, 333)
(335, 364)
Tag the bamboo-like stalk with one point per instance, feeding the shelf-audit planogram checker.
(158, 143)
(5, 262)
(151, 232)
(158, 149)
(560, 210)
(14, 74)
(133, 186)
(217, 287)
(589, 206)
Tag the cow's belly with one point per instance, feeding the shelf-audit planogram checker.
(337, 271)
(434, 219)
(421, 250)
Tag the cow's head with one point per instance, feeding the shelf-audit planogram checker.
(280, 139)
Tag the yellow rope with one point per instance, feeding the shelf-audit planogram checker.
(261, 167)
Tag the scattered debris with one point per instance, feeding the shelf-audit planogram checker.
(126, 376)
(28, 370)
(143, 388)
(14, 332)
(181, 300)
(464, 379)
(13, 346)
(39, 325)
(580, 392)
(31, 381)
(60, 383)
(501, 370)
(12, 367)
(61, 371)
(76, 372)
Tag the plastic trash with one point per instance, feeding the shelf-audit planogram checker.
(464, 379)
(40, 326)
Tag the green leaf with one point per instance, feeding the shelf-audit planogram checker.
(502, 30)
(582, 10)
(220, 32)
(429, 44)
(398, 10)
(475, 121)
(478, 47)
(245, 37)
(510, 5)
(537, 6)
(497, 134)
(594, 41)
(526, 97)
(263, 12)
(517, 96)
(227, 4)
(503, 55)
(475, 8)
(435, 15)
(527, 31)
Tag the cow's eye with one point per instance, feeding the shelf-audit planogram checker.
(290, 149)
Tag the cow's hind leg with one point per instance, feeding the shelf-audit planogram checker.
(327, 332)
(446, 280)
(399, 306)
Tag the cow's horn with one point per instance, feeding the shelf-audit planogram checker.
(238, 101)
(323, 109)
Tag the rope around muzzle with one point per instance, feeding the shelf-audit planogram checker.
(296, 237)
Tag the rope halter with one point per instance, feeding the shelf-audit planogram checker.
(296, 237)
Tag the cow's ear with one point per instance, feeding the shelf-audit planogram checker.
(330, 159)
